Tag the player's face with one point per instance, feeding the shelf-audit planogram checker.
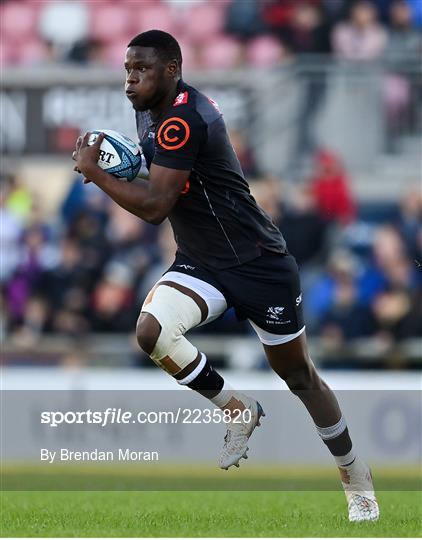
(147, 78)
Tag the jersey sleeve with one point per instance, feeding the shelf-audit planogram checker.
(179, 138)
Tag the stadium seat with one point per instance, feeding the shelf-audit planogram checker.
(34, 52)
(221, 53)
(264, 51)
(154, 16)
(16, 20)
(203, 21)
(189, 54)
(114, 53)
(110, 22)
(7, 54)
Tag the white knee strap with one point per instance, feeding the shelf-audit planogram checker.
(177, 313)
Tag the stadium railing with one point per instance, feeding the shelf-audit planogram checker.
(118, 350)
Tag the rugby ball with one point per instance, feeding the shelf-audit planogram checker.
(119, 155)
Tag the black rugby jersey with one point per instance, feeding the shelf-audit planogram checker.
(216, 220)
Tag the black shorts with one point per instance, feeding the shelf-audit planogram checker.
(265, 290)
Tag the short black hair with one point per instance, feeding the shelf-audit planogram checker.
(165, 44)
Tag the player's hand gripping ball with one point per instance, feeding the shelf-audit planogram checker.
(119, 155)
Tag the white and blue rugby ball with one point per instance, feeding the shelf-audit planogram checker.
(119, 155)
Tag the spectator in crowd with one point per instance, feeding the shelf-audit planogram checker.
(332, 301)
(304, 229)
(330, 188)
(133, 241)
(409, 223)
(34, 322)
(10, 233)
(277, 14)
(383, 8)
(266, 191)
(37, 254)
(398, 316)
(88, 51)
(308, 33)
(397, 309)
(244, 153)
(345, 318)
(404, 51)
(74, 201)
(390, 267)
(404, 41)
(335, 10)
(382, 299)
(361, 38)
(114, 308)
(416, 9)
(4, 315)
(244, 19)
(18, 198)
(387, 248)
(67, 287)
(82, 198)
(307, 234)
(88, 231)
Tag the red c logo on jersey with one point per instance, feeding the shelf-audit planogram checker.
(173, 133)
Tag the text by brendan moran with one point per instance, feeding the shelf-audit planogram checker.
(122, 454)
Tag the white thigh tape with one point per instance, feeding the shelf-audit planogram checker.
(177, 313)
(214, 299)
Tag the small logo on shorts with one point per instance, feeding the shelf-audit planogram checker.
(299, 299)
(275, 313)
(185, 266)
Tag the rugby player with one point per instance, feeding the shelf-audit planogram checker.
(230, 254)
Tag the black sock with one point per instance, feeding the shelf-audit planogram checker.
(204, 379)
(340, 445)
(338, 442)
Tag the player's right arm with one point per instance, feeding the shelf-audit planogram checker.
(150, 200)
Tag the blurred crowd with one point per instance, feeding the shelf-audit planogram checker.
(221, 34)
(361, 267)
(88, 267)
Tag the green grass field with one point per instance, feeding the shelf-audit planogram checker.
(244, 514)
(106, 502)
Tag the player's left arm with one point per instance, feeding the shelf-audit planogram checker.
(150, 200)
